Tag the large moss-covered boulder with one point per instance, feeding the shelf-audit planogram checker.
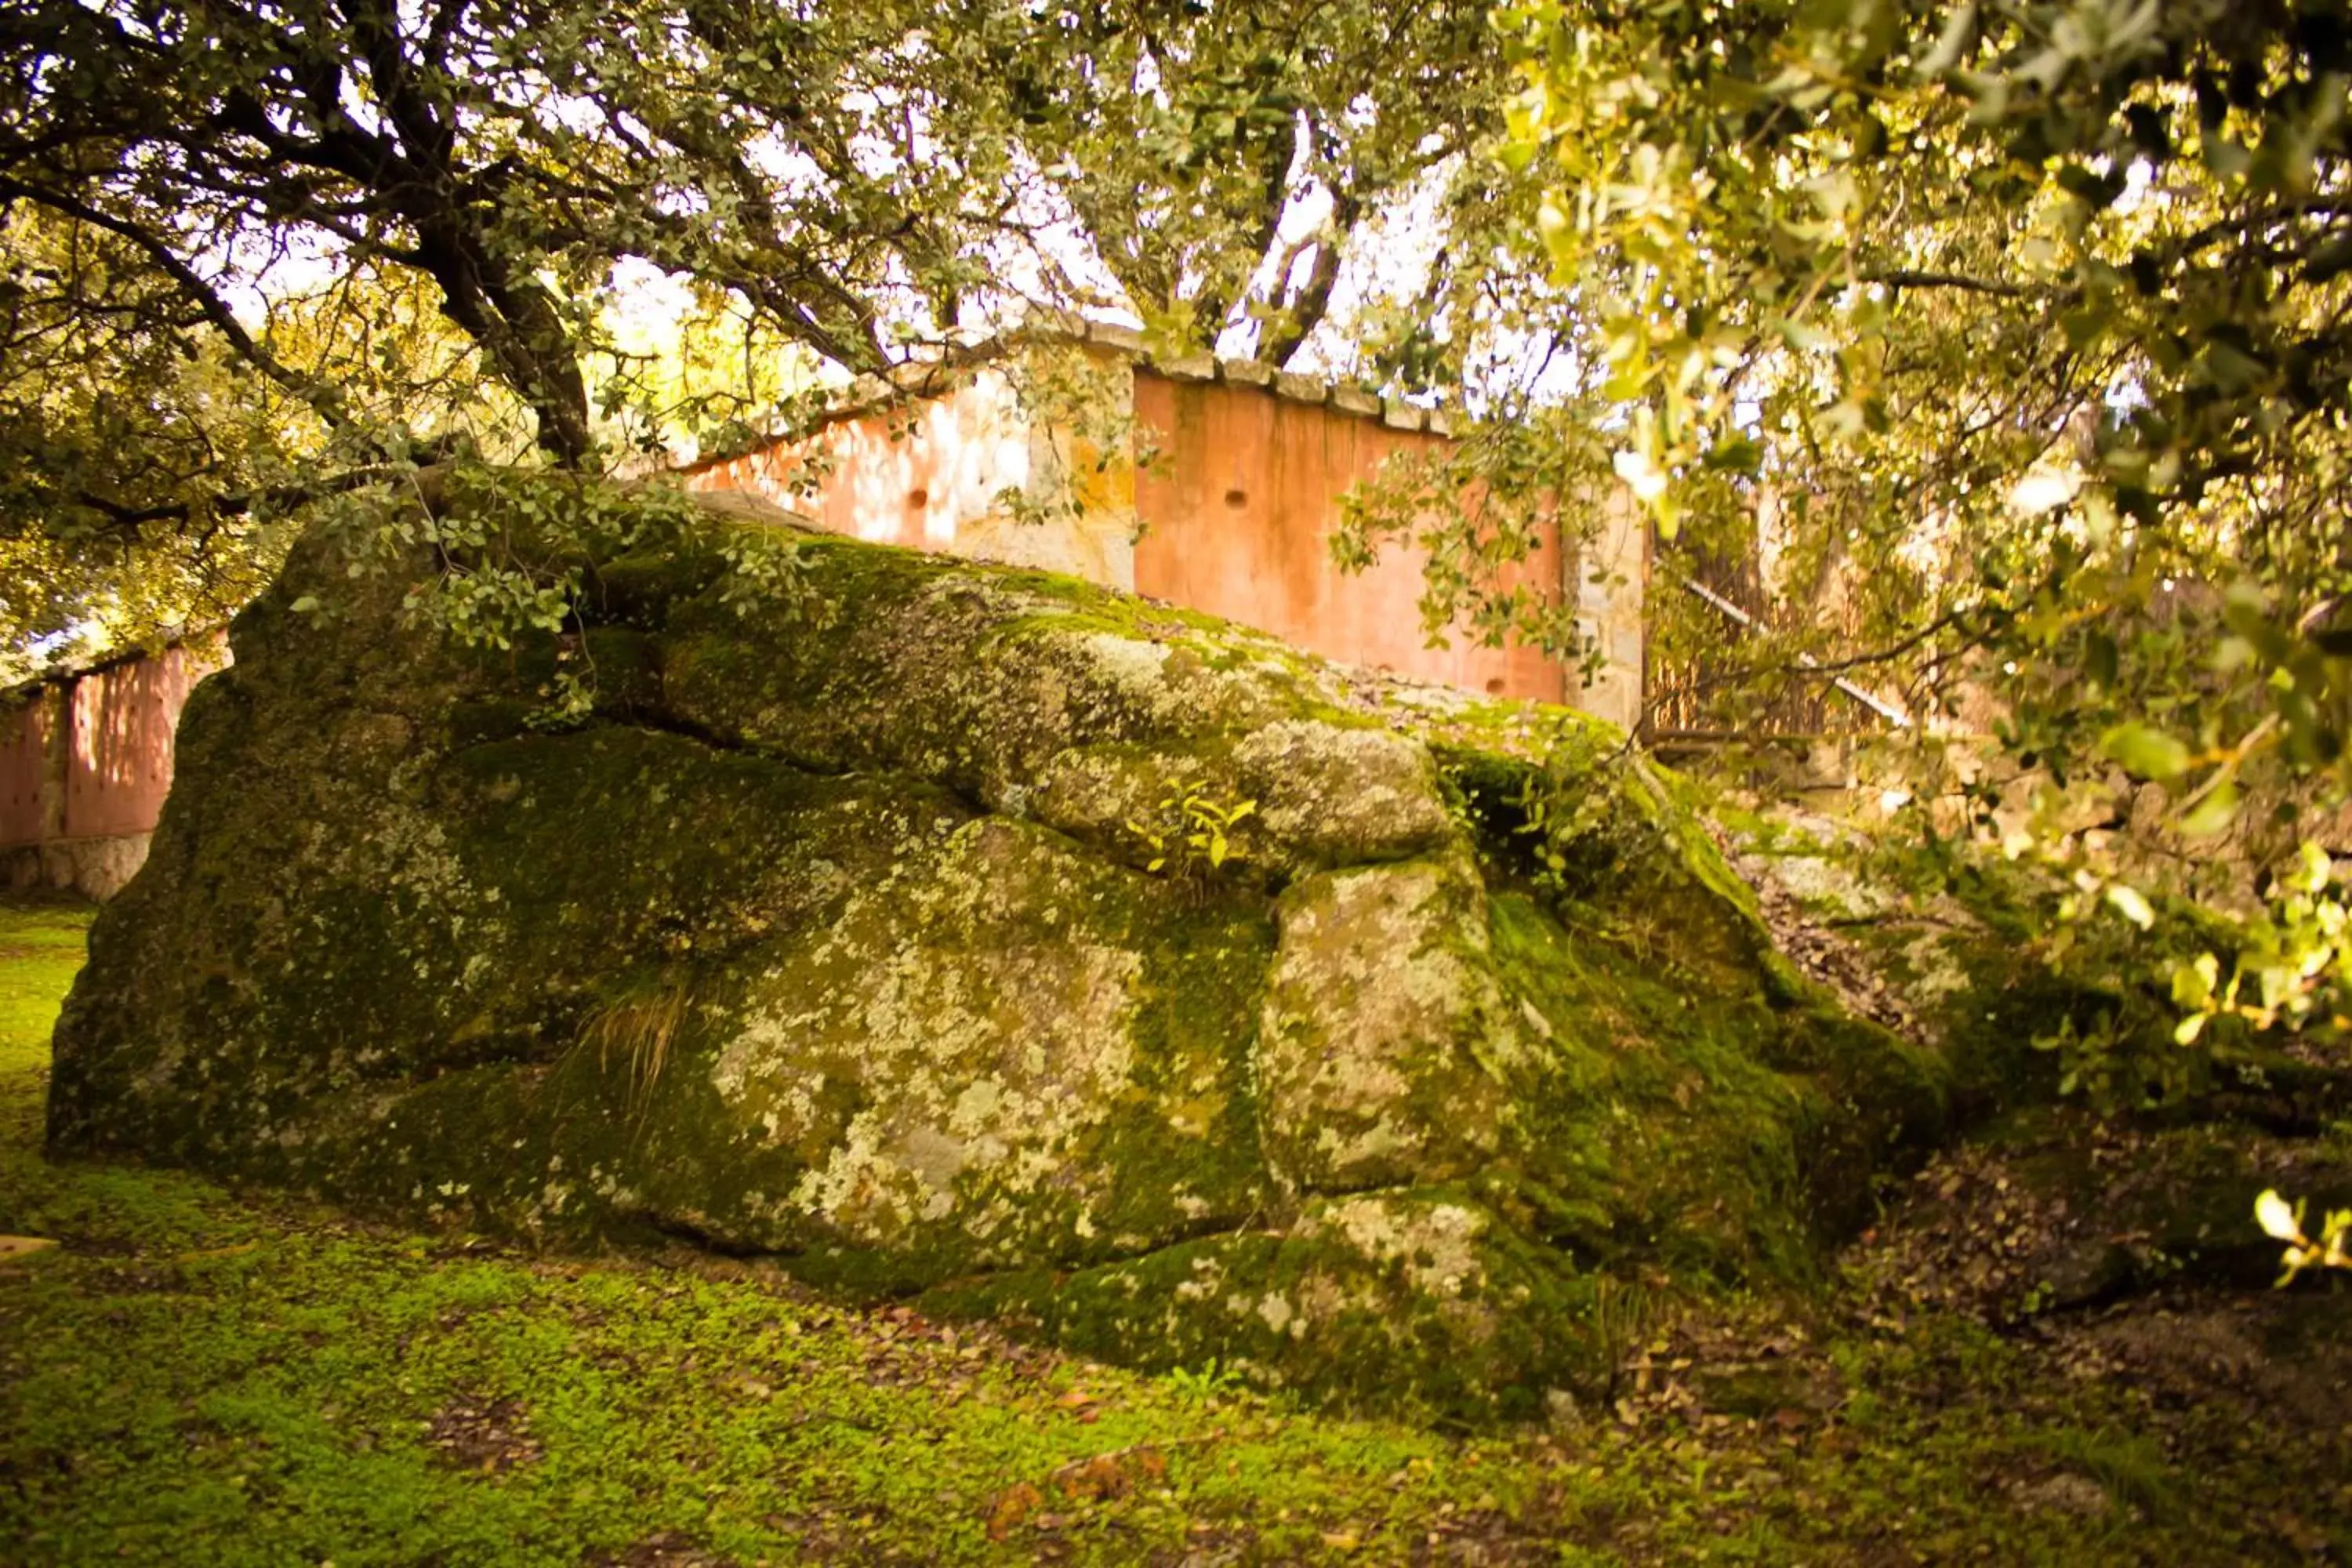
(858, 927)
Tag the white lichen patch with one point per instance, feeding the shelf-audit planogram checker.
(981, 1041)
(1937, 973)
(1375, 1035)
(1208, 1278)
(1337, 794)
(1826, 888)
(1437, 1244)
(1136, 670)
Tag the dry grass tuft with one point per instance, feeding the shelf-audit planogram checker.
(639, 1027)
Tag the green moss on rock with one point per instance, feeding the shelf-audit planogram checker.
(827, 936)
(1421, 1298)
(1386, 1033)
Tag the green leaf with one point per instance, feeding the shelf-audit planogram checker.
(1802, 337)
(2145, 751)
(1737, 456)
(2212, 814)
(2279, 1219)
(2231, 368)
(2193, 983)
(1959, 32)
(2132, 905)
(2099, 659)
(2084, 326)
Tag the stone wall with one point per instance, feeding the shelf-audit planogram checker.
(91, 867)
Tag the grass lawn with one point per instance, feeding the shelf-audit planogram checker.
(200, 1376)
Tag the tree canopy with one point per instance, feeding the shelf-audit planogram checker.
(2010, 345)
(389, 229)
(1997, 302)
(2001, 350)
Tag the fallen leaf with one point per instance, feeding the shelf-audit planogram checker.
(1102, 1477)
(1013, 1506)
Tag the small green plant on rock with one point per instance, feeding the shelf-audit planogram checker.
(1567, 810)
(1192, 837)
(2290, 955)
(1207, 1383)
(2283, 1221)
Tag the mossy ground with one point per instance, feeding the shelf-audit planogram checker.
(202, 1376)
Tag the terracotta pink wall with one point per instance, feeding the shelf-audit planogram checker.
(1238, 512)
(24, 748)
(123, 721)
(118, 768)
(906, 475)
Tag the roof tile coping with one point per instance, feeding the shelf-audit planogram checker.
(187, 640)
(916, 380)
